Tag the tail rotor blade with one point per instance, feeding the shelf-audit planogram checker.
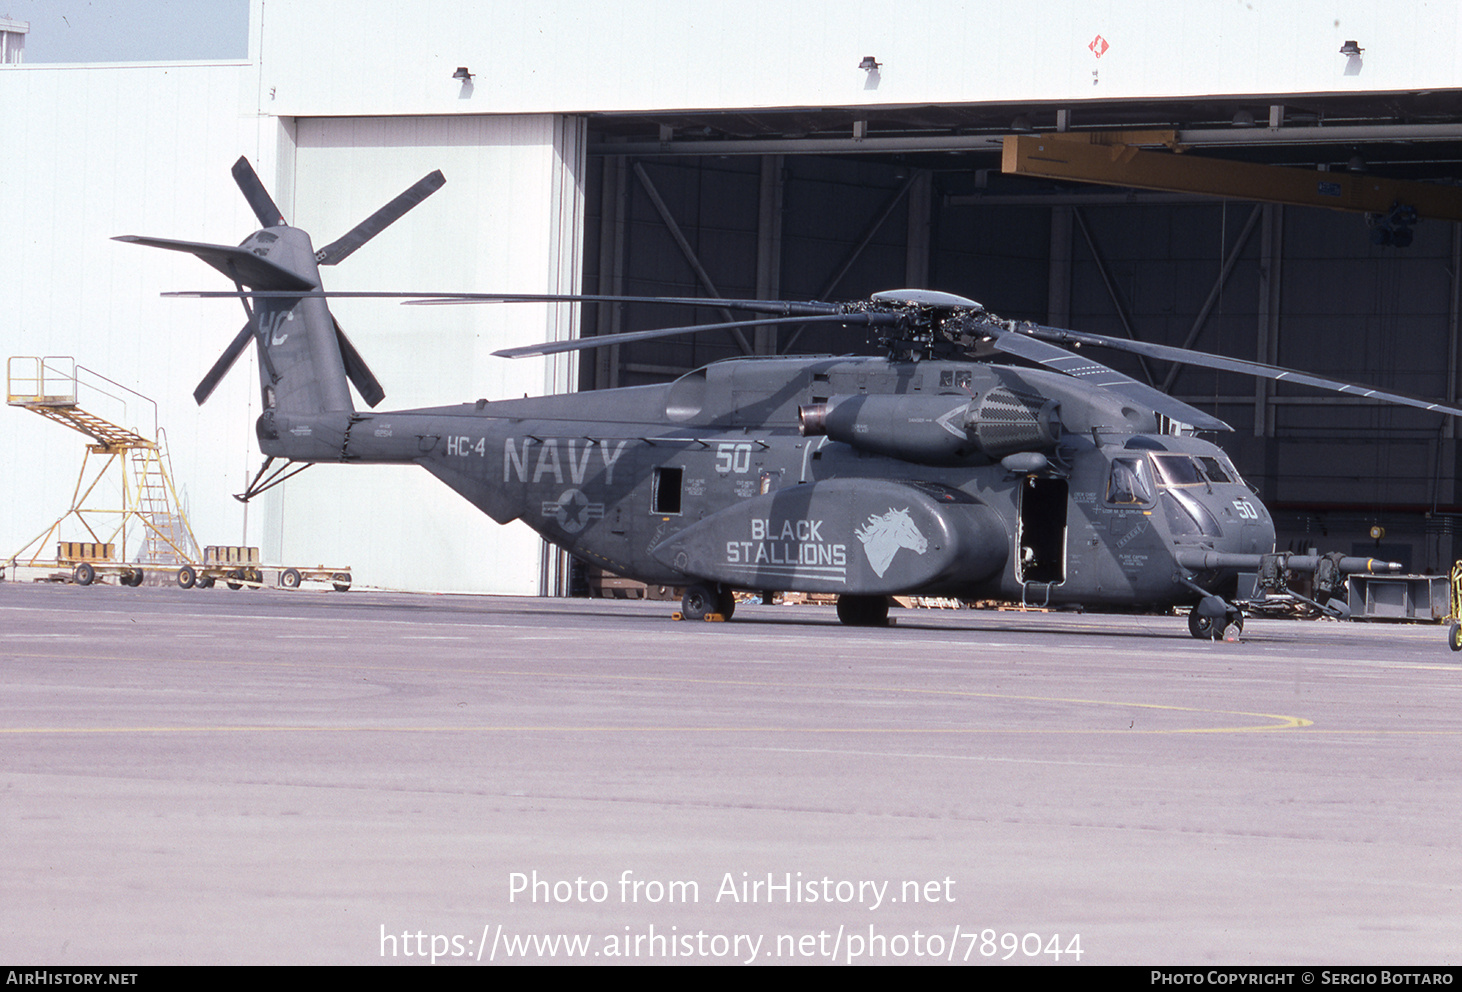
(377, 222)
(225, 362)
(357, 370)
(256, 194)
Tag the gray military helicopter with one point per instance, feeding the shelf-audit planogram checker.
(926, 470)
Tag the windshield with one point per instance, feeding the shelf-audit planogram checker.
(1179, 471)
(1176, 471)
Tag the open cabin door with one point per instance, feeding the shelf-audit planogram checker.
(1041, 536)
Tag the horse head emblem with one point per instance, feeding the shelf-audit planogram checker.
(884, 535)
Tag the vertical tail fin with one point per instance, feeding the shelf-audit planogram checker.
(305, 359)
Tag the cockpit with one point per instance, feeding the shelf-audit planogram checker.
(1141, 479)
(1135, 479)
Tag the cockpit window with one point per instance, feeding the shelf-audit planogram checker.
(1178, 471)
(1214, 469)
(1129, 482)
(1175, 471)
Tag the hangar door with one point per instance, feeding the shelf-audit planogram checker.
(509, 218)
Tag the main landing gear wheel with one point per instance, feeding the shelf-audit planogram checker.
(863, 611)
(697, 601)
(187, 577)
(726, 603)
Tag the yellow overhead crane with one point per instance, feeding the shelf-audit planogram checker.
(124, 493)
(1120, 158)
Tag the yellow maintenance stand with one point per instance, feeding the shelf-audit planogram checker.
(1454, 628)
(124, 499)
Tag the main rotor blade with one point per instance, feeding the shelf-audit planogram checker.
(1052, 357)
(225, 362)
(357, 370)
(377, 222)
(256, 194)
(1278, 373)
(783, 307)
(605, 340)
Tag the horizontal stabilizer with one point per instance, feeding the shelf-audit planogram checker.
(239, 264)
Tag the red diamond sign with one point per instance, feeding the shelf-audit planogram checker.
(1099, 46)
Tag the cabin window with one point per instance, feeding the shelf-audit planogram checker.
(1128, 482)
(665, 495)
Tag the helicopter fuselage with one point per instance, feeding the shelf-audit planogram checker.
(853, 476)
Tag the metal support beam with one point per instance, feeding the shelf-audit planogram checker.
(1454, 314)
(613, 208)
(1223, 137)
(1271, 258)
(769, 245)
(1084, 158)
(1213, 294)
(867, 236)
(921, 210)
(685, 249)
(857, 250)
(1058, 292)
(1111, 288)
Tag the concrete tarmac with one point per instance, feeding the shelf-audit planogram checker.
(271, 777)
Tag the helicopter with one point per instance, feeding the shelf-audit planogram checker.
(926, 470)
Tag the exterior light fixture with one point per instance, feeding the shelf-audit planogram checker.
(869, 63)
(462, 74)
(1351, 48)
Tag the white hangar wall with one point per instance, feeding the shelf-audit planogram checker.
(508, 219)
(90, 152)
(580, 55)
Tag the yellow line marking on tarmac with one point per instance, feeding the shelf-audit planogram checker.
(552, 728)
(1283, 722)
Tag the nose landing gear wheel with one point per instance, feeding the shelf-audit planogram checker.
(1207, 628)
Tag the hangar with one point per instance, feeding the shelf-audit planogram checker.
(747, 149)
